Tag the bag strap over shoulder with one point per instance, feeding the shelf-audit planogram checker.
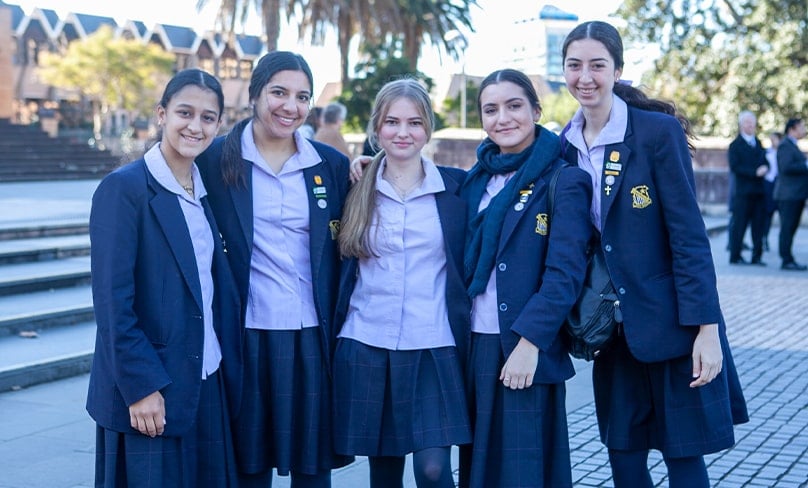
(551, 187)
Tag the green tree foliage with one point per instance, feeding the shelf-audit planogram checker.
(114, 73)
(557, 108)
(452, 106)
(377, 68)
(721, 57)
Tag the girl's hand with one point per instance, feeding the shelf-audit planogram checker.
(520, 367)
(357, 165)
(707, 356)
(148, 415)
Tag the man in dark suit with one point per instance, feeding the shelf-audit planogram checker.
(791, 190)
(748, 164)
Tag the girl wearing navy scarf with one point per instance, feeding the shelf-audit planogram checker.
(523, 278)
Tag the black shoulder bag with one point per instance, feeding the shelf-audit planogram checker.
(591, 323)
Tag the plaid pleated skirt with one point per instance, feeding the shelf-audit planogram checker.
(643, 406)
(202, 457)
(520, 436)
(391, 403)
(285, 417)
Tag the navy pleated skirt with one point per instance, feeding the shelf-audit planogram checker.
(391, 403)
(643, 406)
(520, 436)
(285, 417)
(202, 457)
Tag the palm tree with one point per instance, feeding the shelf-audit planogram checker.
(433, 19)
(377, 21)
(233, 12)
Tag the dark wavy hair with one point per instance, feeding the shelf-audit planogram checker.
(607, 35)
(269, 65)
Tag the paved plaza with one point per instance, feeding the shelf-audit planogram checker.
(47, 439)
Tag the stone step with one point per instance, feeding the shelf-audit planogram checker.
(43, 248)
(44, 228)
(45, 275)
(37, 311)
(50, 355)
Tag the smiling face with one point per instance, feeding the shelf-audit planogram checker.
(402, 133)
(508, 117)
(190, 122)
(282, 105)
(590, 73)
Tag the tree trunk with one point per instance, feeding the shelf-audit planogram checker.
(413, 35)
(271, 11)
(345, 31)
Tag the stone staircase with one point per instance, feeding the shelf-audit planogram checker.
(47, 327)
(29, 154)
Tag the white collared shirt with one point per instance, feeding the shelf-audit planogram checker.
(399, 302)
(281, 295)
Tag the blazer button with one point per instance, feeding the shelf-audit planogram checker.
(622, 291)
(503, 307)
(608, 248)
(503, 266)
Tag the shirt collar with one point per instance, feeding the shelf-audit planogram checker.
(305, 157)
(433, 181)
(158, 167)
(612, 133)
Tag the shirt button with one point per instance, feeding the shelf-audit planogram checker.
(608, 248)
(503, 266)
(503, 307)
(622, 291)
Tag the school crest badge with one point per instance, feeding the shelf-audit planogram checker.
(541, 224)
(640, 198)
(333, 226)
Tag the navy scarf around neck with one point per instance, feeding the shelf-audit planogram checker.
(486, 226)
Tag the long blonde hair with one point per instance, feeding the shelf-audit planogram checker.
(360, 204)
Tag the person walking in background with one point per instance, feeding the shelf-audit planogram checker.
(403, 313)
(748, 165)
(279, 197)
(524, 268)
(166, 309)
(768, 185)
(791, 190)
(668, 382)
(330, 131)
(309, 128)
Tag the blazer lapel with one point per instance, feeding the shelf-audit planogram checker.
(615, 158)
(169, 216)
(449, 206)
(518, 210)
(243, 204)
(317, 184)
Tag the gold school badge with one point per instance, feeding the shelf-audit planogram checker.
(541, 224)
(640, 197)
(333, 226)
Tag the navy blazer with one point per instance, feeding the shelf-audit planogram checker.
(452, 214)
(792, 172)
(233, 207)
(539, 273)
(654, 239)
(148, 304)
(744, 160)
